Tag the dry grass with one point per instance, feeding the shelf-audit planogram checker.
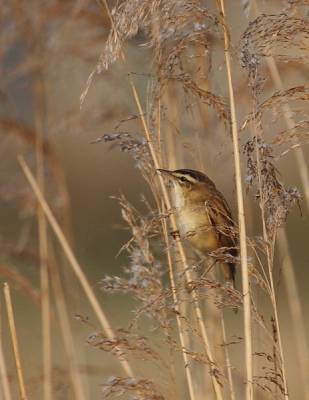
(196, 87)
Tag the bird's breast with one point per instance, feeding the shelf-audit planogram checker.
(195, 227)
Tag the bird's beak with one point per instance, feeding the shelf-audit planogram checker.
(165, 171)
(169, 174)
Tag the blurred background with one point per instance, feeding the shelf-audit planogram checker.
(49, 49)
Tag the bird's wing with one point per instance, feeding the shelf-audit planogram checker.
(221, 219)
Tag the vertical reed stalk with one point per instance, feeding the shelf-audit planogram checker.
(241, 213)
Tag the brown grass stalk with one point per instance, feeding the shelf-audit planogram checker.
(9, 308)
(3, 373)
(157, 165)
(189, 71)
(72, 259)
(197, 308)
(241, 215)
(283, 247)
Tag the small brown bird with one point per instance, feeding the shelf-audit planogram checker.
(203, 216)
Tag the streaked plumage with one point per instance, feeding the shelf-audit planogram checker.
(203, 216)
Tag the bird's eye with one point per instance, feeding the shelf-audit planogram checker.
(182, 179)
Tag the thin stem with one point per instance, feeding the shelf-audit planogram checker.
(271, 290)
(283, 247)
(4, 376)
(72, 259)
(178, 319)
(157, 165)
(8, 303)
(241, 213)
(197, 308)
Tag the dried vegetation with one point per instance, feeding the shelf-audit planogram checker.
(183, 341)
